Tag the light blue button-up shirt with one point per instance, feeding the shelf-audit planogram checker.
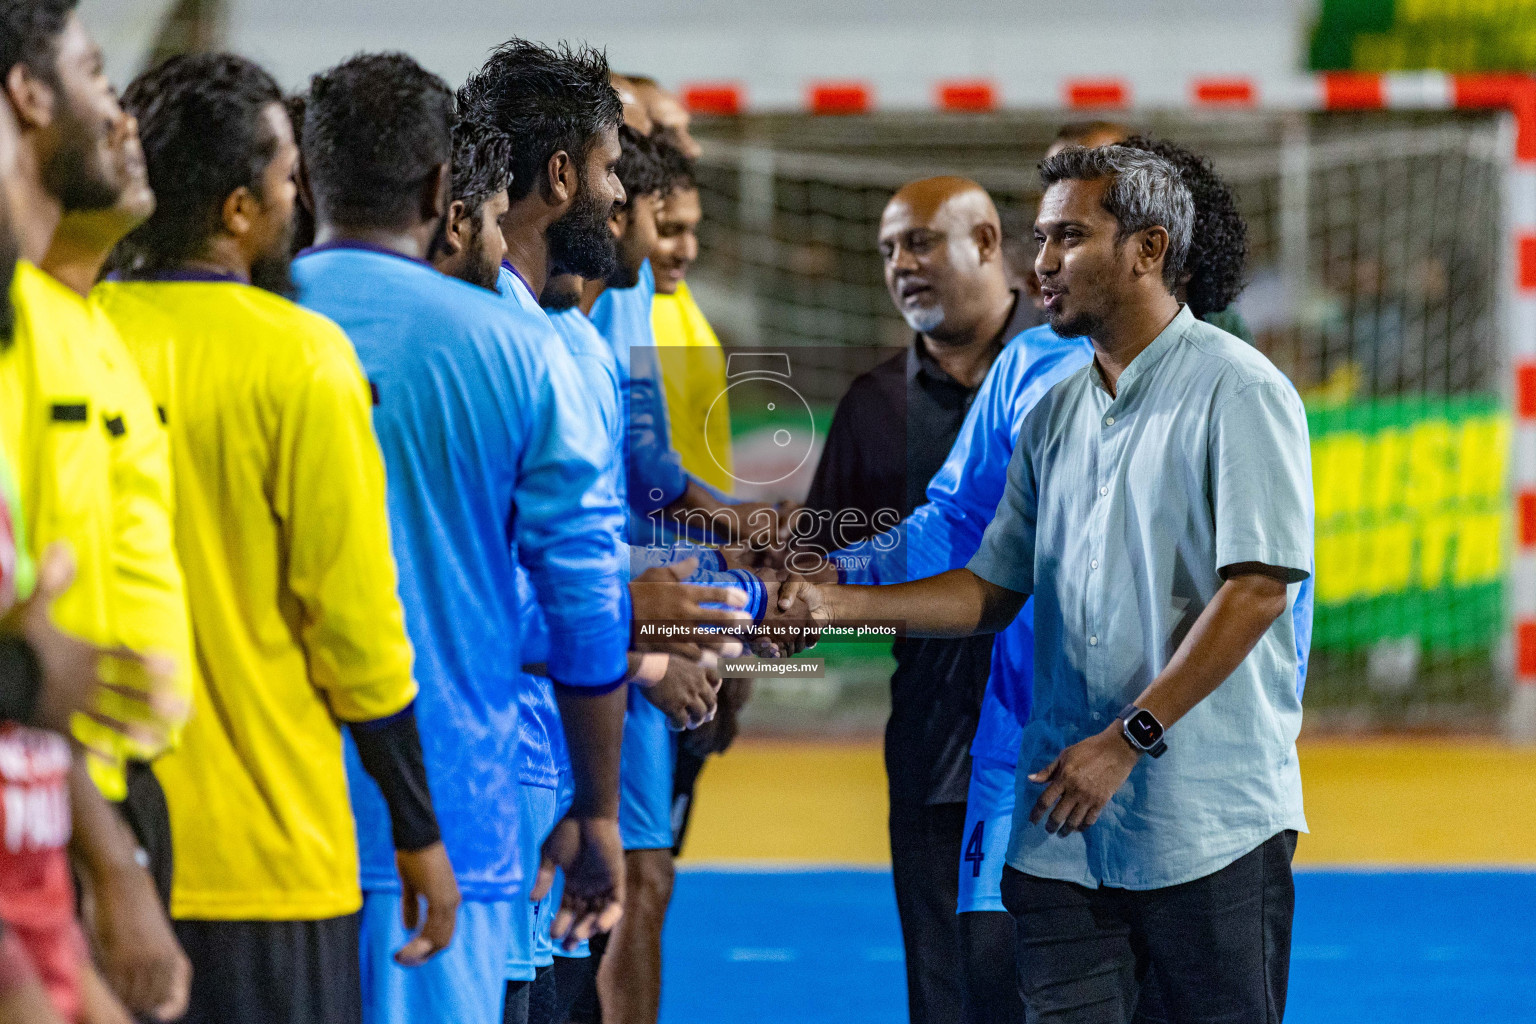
(1118, 516)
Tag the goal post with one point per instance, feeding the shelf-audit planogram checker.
(1393, 223)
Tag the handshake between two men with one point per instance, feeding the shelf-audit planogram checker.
(685, 633)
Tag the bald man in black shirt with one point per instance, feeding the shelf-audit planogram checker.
(941, 244)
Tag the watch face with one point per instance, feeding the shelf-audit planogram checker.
(1144, 728)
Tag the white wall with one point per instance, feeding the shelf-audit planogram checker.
(772, 47)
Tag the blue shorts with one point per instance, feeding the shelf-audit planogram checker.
(537, 809)
(465, 983)
(988, 822)
(645, 776)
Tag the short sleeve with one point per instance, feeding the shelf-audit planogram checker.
(1006, 557)
(1261, 480)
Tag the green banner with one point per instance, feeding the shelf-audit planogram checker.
(1412, 522)
(1415, 35)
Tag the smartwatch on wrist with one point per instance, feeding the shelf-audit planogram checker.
(1142, 731)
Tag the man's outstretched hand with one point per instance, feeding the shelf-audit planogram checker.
(591, 854)
(793, 602)
(658, 595)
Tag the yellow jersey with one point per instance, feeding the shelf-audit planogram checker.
(693, 376)
(283, 534)
(92, 469)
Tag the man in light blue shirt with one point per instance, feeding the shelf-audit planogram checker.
(1158, 509)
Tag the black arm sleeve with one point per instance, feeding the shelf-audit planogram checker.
(390, 749)
(21, 680)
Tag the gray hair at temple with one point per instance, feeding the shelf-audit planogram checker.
(1145, 191)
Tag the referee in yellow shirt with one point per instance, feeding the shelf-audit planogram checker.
(90, 459)
(283, 534)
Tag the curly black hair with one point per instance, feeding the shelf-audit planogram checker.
(641, 168)
(303, 217)
(679, 169)
(29, 34)
(547, 100)
(375, 129)
(201, 122)
(1218, 246)
(482, 163)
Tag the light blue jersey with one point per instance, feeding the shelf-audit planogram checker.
(622, 316)
(493, 463)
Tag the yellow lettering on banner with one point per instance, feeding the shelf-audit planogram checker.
(1435, 533)
(1479, 554)
(1375, 51)
(1338, 469)
(1338, 564)
(1423, 506)
(1388, 559)
(1481, 458)
(1430, 484)
(1461, 12)
(1386, 473)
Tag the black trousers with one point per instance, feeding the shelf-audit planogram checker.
(576, 998)
(1216, 950)
(274, 972)
(149, 818)
(991, 976)
(925, 864)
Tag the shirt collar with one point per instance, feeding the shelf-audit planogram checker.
(352, 243)
(509, 268)
(1148, 357)
(920, 361)
(206, 275)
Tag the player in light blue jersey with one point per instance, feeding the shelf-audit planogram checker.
(648, 743)
(493, 463)
(519, 94)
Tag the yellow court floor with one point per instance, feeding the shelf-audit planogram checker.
(1369, 802)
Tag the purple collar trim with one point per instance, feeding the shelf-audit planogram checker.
(203, 275)
(520, 277)
(350, 243)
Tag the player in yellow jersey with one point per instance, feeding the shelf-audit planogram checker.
(283, 534)
(91, 462)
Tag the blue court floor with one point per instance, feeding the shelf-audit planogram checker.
(823, 947)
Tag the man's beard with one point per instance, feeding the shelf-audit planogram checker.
(623, 276)
(1083, 324)
(580, 242)
(270, 271)
(923, 318)
(559, 293)
(626, 261)
(72, 174)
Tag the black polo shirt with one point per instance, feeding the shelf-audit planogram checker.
(890, 434)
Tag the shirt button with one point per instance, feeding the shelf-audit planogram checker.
(1093, 564)
(1103, 490)
(1093, 641)
(1109, 421)
(1096, 716)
